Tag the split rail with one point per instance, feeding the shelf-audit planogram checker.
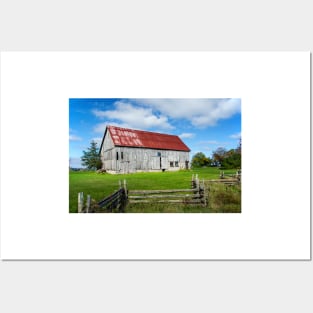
(115, 202)
(194, 195)
(198, 194)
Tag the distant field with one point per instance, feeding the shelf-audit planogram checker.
(102, 185)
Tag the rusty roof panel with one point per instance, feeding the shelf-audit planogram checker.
(144, 139)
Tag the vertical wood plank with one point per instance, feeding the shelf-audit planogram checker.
(80, 202)
(88, 203)
(125, 187)
(204, 192)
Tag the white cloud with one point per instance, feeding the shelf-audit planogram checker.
(98, 113)
(156, 113)
(100, 128)
(75, 138)
(200, 112)
(98, 140)
(236, 136)
(186, 135)
(133, 117)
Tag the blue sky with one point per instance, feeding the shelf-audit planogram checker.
(203, 124)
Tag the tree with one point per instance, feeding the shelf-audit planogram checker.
(232, 160)
(228, 159)
(91, 158)
(239, 147)
(199, 160)
(219, 154)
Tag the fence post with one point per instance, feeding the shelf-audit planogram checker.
(204, 192)
(197, 185)
(238, 176)
(80, 202)
(88, 203)
(124, 197)
(125, 187)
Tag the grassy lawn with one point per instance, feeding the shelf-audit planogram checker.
(101, 185)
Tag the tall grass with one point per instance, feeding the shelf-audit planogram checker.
(223, 198)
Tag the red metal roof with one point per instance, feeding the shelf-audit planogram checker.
(144, 139)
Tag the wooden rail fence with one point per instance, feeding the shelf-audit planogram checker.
(198, 194)
(236, 176)
(115, 202)
(194, 195)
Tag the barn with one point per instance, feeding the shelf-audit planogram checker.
(126, 150)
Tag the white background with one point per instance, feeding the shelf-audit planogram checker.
(274, 88)
(243, 286)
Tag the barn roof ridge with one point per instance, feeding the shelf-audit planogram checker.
(140, 130)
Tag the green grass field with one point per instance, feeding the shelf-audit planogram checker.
(101, 185)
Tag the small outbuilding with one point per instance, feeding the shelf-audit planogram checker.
(126, 150)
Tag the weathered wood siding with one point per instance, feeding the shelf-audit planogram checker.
(107, 152)
(130, 159)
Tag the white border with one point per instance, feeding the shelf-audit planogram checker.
(275, 92)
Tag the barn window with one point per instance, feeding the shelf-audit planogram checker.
(122, 155)
(176, 163)
(159, 154)
(171, 164)
(116, 155)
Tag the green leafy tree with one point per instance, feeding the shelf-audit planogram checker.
(200, 160)
(91, 159)
(232, 161)
(227, 159)
(232, 158)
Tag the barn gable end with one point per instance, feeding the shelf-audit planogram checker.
(126, 151)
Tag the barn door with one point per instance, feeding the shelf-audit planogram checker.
(156, 165)
(164, 163)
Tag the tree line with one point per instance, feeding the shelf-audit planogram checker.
(225, 159)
